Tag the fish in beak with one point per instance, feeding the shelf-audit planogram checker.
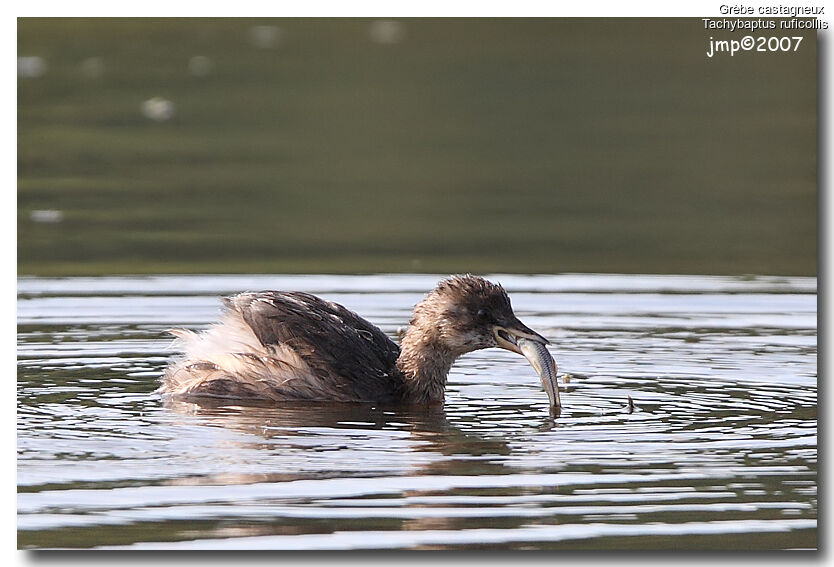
(519, 338)
(507, 336)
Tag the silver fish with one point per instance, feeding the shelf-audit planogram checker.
(540, 359)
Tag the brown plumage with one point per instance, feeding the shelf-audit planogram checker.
(274, 346)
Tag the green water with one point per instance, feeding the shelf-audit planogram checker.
(487, 145)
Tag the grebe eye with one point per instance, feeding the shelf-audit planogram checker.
(482, 313)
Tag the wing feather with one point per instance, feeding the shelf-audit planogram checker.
(342, 348)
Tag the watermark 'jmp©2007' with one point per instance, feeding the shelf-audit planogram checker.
(759, 44)
(761, 20)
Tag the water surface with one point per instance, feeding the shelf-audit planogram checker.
(719, 452)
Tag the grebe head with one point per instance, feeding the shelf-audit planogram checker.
(466, 313)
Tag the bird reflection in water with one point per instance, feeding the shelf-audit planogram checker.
(321, 441)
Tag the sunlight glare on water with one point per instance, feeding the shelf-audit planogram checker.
(719, 452)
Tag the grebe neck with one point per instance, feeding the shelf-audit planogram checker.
(424, 362)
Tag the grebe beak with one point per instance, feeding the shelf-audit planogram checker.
(507, 335)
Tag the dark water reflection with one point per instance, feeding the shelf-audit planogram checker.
(720, 450)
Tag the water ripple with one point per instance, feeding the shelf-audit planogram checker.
(722, 439)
